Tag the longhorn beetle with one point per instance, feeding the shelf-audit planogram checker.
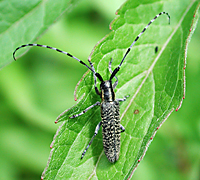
(110, 120)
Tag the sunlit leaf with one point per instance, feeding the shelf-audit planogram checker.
(155, 82)
(23, 21)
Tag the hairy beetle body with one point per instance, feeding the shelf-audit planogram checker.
(111, 129)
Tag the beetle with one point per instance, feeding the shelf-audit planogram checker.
(110, 118)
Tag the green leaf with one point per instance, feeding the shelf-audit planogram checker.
(23, 21)
(154, 81)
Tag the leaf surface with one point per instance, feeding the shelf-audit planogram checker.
(22, 22)
(155, 82)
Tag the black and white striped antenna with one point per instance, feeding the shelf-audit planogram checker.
(92, 67)
(128, 50)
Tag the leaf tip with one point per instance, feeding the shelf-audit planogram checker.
(56, 122)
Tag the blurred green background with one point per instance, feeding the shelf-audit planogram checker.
(40, 85)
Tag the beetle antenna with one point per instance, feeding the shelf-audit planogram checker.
(128, 50)
(68, 54)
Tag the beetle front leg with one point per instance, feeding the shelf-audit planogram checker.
(110, 69)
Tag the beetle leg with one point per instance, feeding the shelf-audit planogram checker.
(95, 78)
(84, 111)
(109, 67)
(95, 133)
(123, 99)
(122, 128)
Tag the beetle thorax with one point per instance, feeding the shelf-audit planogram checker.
(107, 93)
